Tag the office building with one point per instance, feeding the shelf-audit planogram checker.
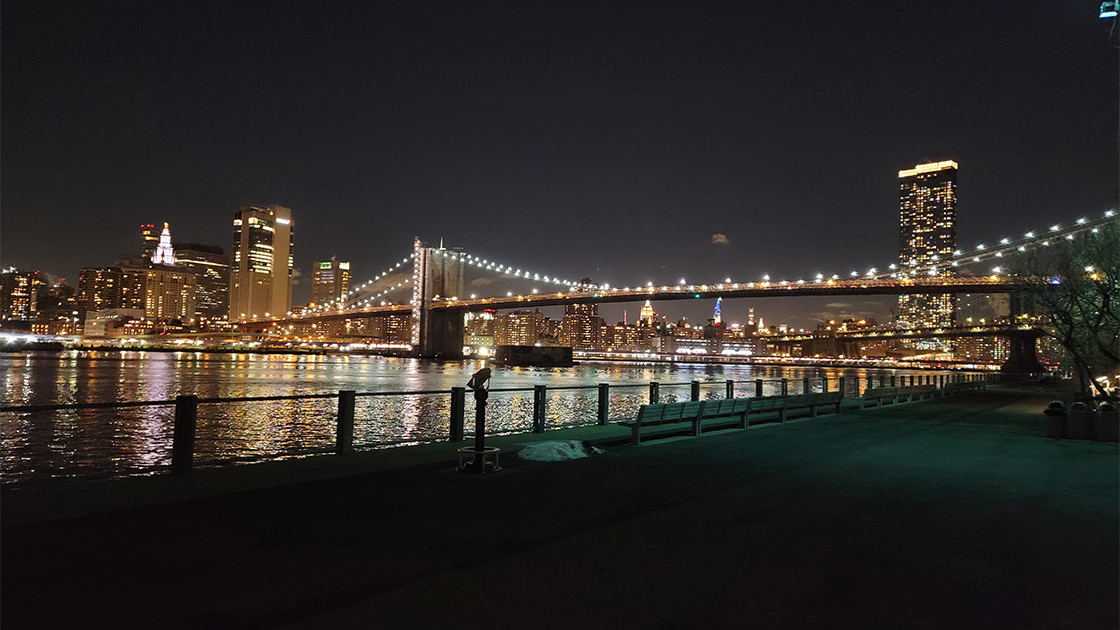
(164, 253)
(927, 235)
(19, 294)
(210, 264)
(261, 269)
(330, 281)
(99, 288)
(519, 328)
(149, 240)
(169, 295)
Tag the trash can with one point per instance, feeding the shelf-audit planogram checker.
(1106, 426)
(1055, 419)
(1079, 422)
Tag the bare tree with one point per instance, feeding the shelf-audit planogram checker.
(1074, 284)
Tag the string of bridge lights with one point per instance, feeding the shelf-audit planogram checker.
(348, 301)
(938, 265)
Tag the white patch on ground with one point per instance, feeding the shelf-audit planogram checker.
(557, 451)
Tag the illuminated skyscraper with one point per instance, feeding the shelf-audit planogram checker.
(164, 254)
(582, 327)
(330, 281)
(211, 265)
(646, 315)
(927, 234)
(261, 270)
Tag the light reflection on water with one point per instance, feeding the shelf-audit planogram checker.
(137, 440)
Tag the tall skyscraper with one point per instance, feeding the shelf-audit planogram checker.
(582, 327)
(927, 233)
(164, 254)
(261, 271)
(330, 281)
(211, 265)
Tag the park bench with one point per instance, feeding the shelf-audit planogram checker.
(896, 394)
(696, 412)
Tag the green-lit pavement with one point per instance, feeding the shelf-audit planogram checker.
(947, 514)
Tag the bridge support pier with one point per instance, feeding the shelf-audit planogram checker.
(442, 337)
(1023, 359)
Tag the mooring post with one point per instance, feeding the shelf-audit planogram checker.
(695, 390)
(654, 393)
(458, 410)
(344, 432)
(604, 402)
(540, 392)
(182, 445)
(730, 389)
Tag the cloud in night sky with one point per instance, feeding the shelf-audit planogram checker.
(720, 239)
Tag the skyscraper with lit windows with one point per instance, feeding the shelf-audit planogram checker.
(330, 281)
(927, 235)
(261, 269)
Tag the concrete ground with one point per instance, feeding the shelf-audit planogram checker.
(953, 513)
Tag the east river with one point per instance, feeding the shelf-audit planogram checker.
(42, 445)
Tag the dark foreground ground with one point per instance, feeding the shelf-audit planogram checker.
(950, 514)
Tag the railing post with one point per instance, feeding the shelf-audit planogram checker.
(458, 411)
(824, 385)
(805, 386)
(941, 378)
(654, 392)
(881, 381)
(758, 388)
(344, 432)
(892, 380)
(785, 387)
(540, 393)
(695, 390)
(911, 380)
(730, 389)
(841, 387)
(870, 382)
(604, 402)
(182, 445)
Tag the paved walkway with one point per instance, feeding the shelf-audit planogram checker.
(954, 513)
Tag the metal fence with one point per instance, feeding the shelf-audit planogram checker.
(380, 419)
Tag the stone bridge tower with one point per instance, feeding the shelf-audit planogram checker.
(436, 273)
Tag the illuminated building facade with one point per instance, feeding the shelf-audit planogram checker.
(330, 281)
(169, 295)
(927, 233)
(164, 254)
(149, 240)
(99, 288)
(19, 294)
(210, 264)
(261, 269)
(581, 328)
(519, 328)
(647, 316)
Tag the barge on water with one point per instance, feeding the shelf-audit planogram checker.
(534, 356)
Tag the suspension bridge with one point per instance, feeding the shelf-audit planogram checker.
(427, 285)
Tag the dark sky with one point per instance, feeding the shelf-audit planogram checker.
(582, 140)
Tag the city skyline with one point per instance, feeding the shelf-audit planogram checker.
(663, 132)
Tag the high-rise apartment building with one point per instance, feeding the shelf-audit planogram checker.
(582, 327)
(261, 270)
(330, 281)
(169, 295)
(211, 265)
(927, 234)
(99, 288)
(19, 294)
(519, 328)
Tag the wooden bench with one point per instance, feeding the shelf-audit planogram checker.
(878, 395)
(696, 412)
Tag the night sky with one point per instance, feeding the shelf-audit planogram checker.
(610, 142)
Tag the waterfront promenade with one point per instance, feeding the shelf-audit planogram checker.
(951, 513)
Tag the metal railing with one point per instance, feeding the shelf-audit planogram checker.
(187, 406)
